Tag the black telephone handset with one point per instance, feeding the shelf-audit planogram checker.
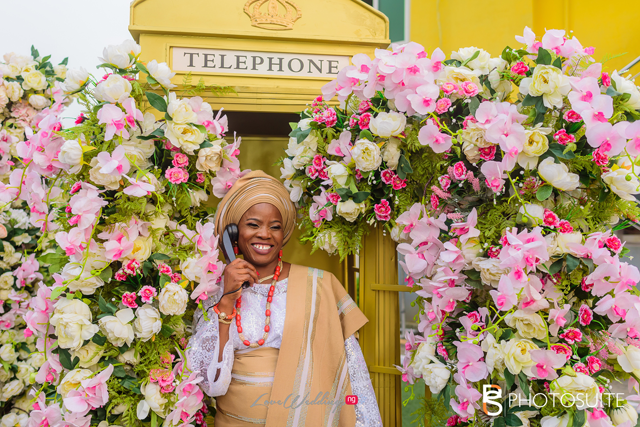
(229, 236)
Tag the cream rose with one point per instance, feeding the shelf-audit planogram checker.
(60, 70)
(564, 239)
(517, 354)
(460, 75)
(623, 183)
(536, 144)
(328, 241)
(14, 91)
(388, 124)
(72, 321)
(184, 136)
(549, 82)
(210, 158)
(110, 182)
(558, 175)
(481, 62)
(114, 89)
(71, 155)
(129, 357)
(391, 153)
(490, 271)
(367, 155)
(190, 269)
(624, 413)
(197, 197)
(161, 73)
(495, 354)
(148, 322)
(338, 173)
(38, 102)
(24, 372)
(180, 111)
(302, 153)
(36, 360)
(350, 210)
(583, 388)
(624, 85)
(13, 419)
(629, 360)
(141, 248)
(85, 283)
(528, 325)
(76, 78)
(35, 80)
(12, 388)
(8, 353)
(117, 328)
(173, 299)
(153, 399)
(72, 381)
(88, 354)
(532, 212)
(435, 375)
(6, 280)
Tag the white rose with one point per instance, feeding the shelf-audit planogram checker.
(89, 354)
(367, 155)
(328, 241)
(197, 197)
(350, 210)
(474, 135)
(528, 325)
(398, 235)
(304, 152)
(517, 354)
(583, 388)
(110, 182)
(152, 400)
(533, 212)
(119, 55)
(549, 421)
(338, 173)
(139, 151)
(141, 249)
(184, 136)
(35, 80)
(536, 144)
(629, 360)
(624, 413)
(471, 152)
(36, 360)
(117, 328)
(471, 249)
(20, 239)
(5, 375)
(6, 280)
(388, 124)
(480, 63)
(60, 70)
(558, 175)
(173, 299)
(180, 111)
(490, 271)
(24, 403)
(161, 73)
(624, 85)
(14, 91)
(114, 89)
(148, 322)
(24, 372)
(76, 78)
(129, 357)
(459, 75)
(72, 321)
(210, 158)
(617, 181)
(71, 154)
(11, 389)
(190, 269)
(81, 280)
(8, 353)
(424, 356)
(495, 354)
(14, 420)
(564, 239)
(549, 82)
(391, 153)
(72, 381)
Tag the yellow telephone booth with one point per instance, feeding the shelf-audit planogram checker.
(276, 55)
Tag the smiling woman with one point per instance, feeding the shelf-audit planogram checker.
(292, 357)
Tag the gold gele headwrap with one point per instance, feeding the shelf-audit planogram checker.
(251, 189)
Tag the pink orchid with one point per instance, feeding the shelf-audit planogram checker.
(430, 135)
(612, 307)
(133, 113)
(599, 110)
(505, 297)
(138, 187)
(43, 415)
(424, 99)
(341, 146)
(546, 363)
(606, 136)
(529, 39)
(114, 118)
(410, 218)
(557, 315)
(71, 242)
(115, 163)
(469, 398)
(494, 175)
(224, 180)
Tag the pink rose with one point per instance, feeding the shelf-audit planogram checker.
(364, 106)
(600, 158)
(585, 315)
(565, 227)
(364, 121)
(550, 218)
(572, 116)
(520, 68)
(487, 153)
(129, 299)
(614, 243)
(180, 160)
(147, 293)
(563, 137)
(442, 106)
(469, 89)
(459, 171)
(399, 184)
(176, 175)
(449, 88)
(387, 176)
(445, 182)
(382, 211)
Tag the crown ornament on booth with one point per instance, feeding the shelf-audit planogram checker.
(269, 14)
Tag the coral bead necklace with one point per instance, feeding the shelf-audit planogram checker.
(267, 319)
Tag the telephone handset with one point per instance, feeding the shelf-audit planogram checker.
(229, 236)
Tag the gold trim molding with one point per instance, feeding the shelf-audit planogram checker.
(272, 19)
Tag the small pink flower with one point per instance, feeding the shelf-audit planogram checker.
(382, 211)
(76, 187)
(594, 364)
(449, 88)
(334, 198)
(68, 209)
(176, 277)
(459, 171)
(606, 80)
(81, 118)
(581, 367)
(164, 269)
(435, 202)
(585, 315)
(169, 146)
(198, 417)
(312, 172)
(562, 349)
(467, 120)
(469, 89)
(551, 219)
(330, 117)
(199, 177)
(399, 184)
(563, 137)
(132, 267)
(600, 157)
(571, 335)
(121, 276)
(318, 161)
(614, 243)
(587, 287)
(453, 421)
(364, 106)
(353, 121)
(358, 174)
(147, 294)
(442, 106)
(445, 182)
(176, 175)
(487, 153)
(387, 176)
(129, 299)
(520, 68)
(572, 116)
(590, 50)
(180, 160)
(442, 351)
(364, 121)
(565, 227)
(493, 252)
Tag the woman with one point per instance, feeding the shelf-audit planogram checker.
(281, 352)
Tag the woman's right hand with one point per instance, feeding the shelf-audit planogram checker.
(235, 274)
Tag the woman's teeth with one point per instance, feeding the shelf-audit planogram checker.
(262, 247)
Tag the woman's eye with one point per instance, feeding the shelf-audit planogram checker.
(252, 225)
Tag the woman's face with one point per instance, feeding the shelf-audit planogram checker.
(261, 234)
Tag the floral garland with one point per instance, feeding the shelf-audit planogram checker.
(123, 195)
(518, 170)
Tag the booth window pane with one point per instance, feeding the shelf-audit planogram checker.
(395, 11)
